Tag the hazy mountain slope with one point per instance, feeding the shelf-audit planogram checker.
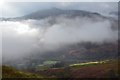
(71, 54)
(54, 12)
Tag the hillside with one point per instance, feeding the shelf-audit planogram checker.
(106, 69)
(0, 71)
(100, 69)
(71, 54)
(9, 72)
(55, 12)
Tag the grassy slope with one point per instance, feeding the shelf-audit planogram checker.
(88, 70)
(0, 72)
(108, 69)
(104, 70)
(9, 72)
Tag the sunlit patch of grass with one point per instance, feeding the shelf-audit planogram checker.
(88, 63)
(50, 62)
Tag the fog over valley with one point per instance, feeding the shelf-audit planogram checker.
(31, 36)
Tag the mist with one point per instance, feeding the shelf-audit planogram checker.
(22, 38)
(0, 46)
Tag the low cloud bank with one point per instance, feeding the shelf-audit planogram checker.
(21, 38)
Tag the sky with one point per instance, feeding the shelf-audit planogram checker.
(16, 9)
(63, 0)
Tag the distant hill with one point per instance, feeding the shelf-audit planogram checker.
(56, 12)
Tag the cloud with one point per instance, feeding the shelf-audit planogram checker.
(0, 45)
(16, 43)
(38, 36)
